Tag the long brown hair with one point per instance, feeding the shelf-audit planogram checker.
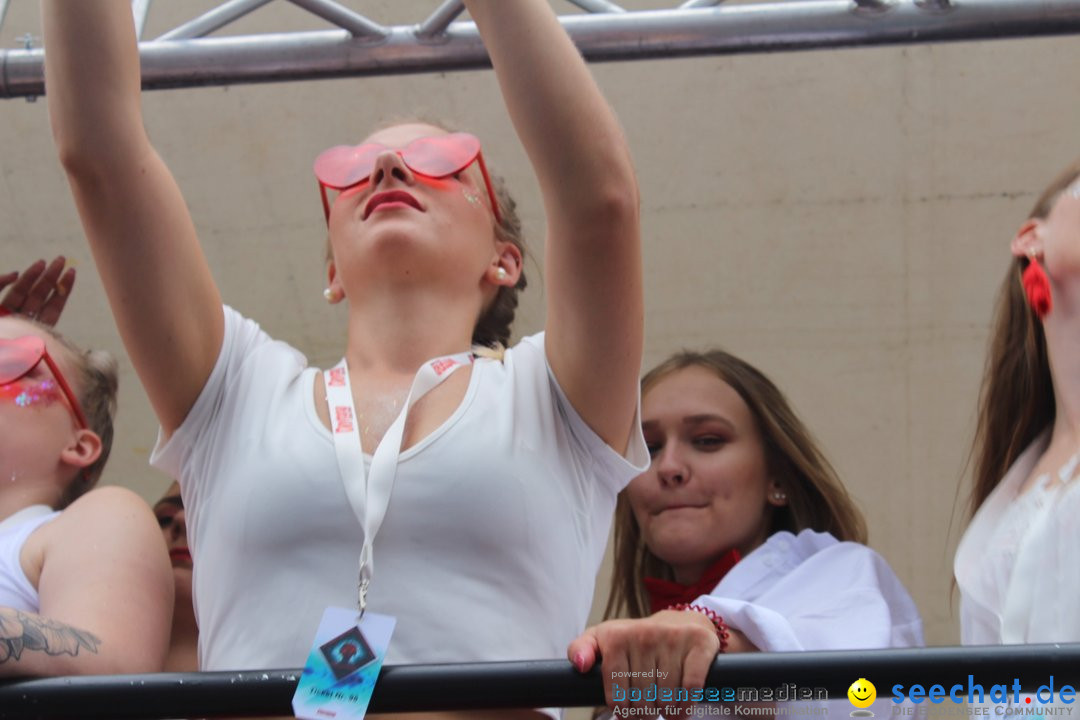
(816, 498)
(1016, 401)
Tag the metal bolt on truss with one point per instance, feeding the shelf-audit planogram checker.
(358, 45)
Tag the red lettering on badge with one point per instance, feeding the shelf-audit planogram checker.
(343, 417)
(337, 377)
(441, 365)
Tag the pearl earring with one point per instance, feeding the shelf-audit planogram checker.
(500, 274)
(329, 294)
(779, 496)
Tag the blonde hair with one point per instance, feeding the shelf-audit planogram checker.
(816, 498)
(95, 382)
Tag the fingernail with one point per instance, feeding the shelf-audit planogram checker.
(579, 662)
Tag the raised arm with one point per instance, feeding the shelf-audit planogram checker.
(105, 589)
(163, 296)
(594, 329)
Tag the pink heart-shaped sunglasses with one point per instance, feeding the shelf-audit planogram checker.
(346, 166)
(21, 355)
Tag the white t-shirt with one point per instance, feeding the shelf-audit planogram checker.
(1016, 566)
(490, 546)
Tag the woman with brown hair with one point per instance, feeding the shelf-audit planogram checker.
(1013, 566)
(738, 538)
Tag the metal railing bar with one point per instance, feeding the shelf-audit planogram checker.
(541, 683)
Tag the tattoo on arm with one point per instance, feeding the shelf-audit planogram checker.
(21, 631)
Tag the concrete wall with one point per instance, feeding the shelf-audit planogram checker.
(839, 218)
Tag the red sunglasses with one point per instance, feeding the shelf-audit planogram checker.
(345, 166)
(21, 355)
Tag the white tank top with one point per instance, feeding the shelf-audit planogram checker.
(15, 589)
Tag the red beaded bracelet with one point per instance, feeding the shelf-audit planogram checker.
(722, 630)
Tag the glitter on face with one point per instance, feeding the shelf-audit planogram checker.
(473, 198)
(26, 394)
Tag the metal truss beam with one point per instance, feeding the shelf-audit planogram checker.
(363, 47)
(216, 19)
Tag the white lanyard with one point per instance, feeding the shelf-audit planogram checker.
(370, 496)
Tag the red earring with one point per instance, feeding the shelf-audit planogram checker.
(1037, 288)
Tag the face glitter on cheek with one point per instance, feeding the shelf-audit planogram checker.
(473, 198)
(28, 394)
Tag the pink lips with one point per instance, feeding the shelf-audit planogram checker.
(180, 554)
(680, 506)
(396, 197)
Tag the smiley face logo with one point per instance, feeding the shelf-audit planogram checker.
(862, 693)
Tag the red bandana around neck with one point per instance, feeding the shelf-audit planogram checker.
(665, 593)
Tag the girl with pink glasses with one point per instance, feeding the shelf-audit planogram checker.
(84, 583)
(474, 492)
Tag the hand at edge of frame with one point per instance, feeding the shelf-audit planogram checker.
(39, 292)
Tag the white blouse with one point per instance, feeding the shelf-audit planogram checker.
(1016, 565)
(812, 592)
